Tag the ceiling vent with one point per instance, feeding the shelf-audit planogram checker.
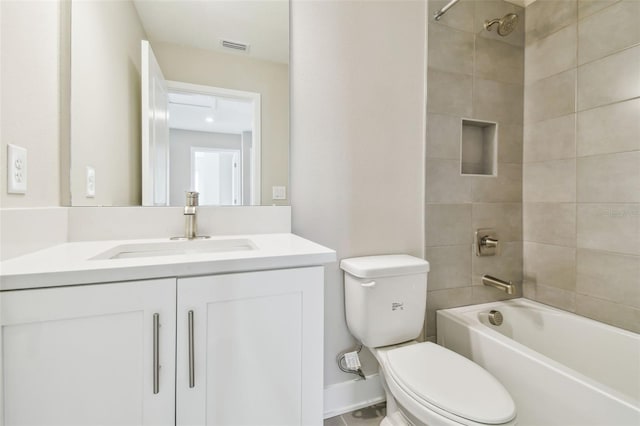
(233, 45)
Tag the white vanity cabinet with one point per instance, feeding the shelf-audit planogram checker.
(249, 348)
(88, 355)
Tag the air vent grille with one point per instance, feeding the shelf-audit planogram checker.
(238, 47)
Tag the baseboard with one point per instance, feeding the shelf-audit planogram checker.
(351, 395)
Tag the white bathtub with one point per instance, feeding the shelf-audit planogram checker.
(560, 368)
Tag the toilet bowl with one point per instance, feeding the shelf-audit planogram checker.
(434, 386)
(425, 384)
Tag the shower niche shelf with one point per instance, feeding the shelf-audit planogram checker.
(479, 148)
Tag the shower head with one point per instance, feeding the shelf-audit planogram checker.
(506, 24)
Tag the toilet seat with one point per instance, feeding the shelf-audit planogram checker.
(429, 380)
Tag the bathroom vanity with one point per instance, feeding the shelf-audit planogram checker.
(160, 333)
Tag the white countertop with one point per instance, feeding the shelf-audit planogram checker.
(71, 263)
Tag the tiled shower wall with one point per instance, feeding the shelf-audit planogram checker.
(472, 73)
(582, 158)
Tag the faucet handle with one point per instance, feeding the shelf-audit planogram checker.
(486, 242)
(192, 198)
(489, 242)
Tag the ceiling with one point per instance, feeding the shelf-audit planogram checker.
(206, 113)
(263, 25)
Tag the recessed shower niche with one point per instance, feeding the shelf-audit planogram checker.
(479, 148)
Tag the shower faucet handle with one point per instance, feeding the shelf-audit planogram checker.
(486, 242)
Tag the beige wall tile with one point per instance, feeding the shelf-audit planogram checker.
(616, 314)
(495, 101)
(609, 178)
(504, 188)
(444, 184)
(449, 266)
(552, 139)
(459, 17)
(484, 294)
(552, 54)
(609, 276)
(550, 181)
(529, 289)
(587, 7)
(608, 129)
(443, 136)
(497, 60)
(609, 30)
(610, 227)
(550, 266)
(506, 266)
(556, 297)
(509, 143)
(604, 135)
(610, 79)
(450, 49)
(546, 16)
(505, 218)
(549, 223)
(448, 224)
(550, 97)
(443, 299)
(449, 93)
(491, 9)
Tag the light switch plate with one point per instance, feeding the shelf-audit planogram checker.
(16, 169)
(279, 192)
(91, 182)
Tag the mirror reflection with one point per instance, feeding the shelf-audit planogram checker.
(210, 79)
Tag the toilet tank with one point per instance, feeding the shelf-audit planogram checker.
(385, 298)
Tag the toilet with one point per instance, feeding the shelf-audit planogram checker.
(425, 384)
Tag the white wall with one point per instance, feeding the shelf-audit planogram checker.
(357, 151)
(181, 142)
(105, 101)
(30, 97)
(234, 71)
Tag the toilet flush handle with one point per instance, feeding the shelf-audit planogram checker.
(368, 284)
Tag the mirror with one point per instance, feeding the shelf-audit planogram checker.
(216, 109)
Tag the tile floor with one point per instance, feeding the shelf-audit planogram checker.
(369, 416)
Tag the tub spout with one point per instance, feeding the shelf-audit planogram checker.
(506, 286)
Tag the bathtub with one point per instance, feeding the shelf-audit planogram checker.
(560, 368)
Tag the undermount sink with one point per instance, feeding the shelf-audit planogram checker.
(173, 248)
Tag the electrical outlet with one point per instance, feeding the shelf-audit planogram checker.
(279, 192)
(91, 182)
(16, 169)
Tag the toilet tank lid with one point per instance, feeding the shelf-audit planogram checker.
(384, 265)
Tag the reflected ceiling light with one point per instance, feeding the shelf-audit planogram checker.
(209, 119)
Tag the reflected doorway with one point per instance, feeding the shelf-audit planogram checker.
(216, 175)
(198, 138)
(211, 134)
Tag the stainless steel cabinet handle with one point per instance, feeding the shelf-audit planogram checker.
(192, 375)
(156, 353)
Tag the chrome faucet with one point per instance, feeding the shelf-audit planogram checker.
(190, 218)
(506, 286)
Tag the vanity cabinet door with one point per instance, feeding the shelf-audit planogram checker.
(84, 355)
(250, 348)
